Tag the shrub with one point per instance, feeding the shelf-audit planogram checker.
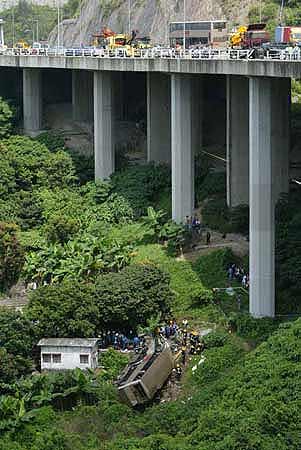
(61, 229)
(239, 219)
(11, 255)
(82, 258)
(216, 215)
(249, 327)
(112, 362)
(17, 339)
(6, 118)
(215, 339)
(27, 208)
(217, 360)
(83, 164)
(35, 165)
(213, 185)
(52, 140)
(141, 185)
(212, 268)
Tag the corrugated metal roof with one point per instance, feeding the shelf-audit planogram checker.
(68, 342)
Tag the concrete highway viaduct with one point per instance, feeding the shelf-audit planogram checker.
(257, 125)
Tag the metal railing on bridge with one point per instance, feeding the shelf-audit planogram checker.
(289, 54)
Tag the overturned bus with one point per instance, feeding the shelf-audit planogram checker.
(146, 373)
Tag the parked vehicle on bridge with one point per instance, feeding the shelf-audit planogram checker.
(39, 48)
(212, 33)
(285, 37)
(75, 51)
(250, 36)
(56, 51)
(21, 48)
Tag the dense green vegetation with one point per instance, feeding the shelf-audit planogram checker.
(233, 403)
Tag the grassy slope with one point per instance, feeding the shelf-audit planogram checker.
(189, 290)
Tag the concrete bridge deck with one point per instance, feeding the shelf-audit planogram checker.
(245, 67)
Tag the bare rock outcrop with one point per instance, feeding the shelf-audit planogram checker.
(149, 17)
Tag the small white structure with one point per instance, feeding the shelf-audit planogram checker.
(68, 353)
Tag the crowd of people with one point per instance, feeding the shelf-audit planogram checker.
(183, 340)
(193, 224)
(120, 341)
(239, 274)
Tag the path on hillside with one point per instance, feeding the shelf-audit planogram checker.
(238, 244)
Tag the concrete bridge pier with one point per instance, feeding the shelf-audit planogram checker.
(32, 101)
(262, 245)
(237, 140)
(82, 95)
(281, 99)
(158, 118)
(185, 140)
(103, 125)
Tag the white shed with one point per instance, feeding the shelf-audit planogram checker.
(68, 353)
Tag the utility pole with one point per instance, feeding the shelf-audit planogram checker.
(184, 25)
(281, 12)
(80, 24)
(58, 23)
(37, 29)
(129, 18)
(13, 25)
(1, 33)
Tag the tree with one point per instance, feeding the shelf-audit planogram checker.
(66, 310)
(6, 118)
(128, 298)
(17, 339)
(122, 300)
(34, 165)
(11, 255)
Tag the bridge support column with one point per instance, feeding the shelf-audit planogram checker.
(82, 95)
(182, 145)
(237, 140)
(281, 135)
(32, 101)
(158, 118)
(262, 245)
(103, 125)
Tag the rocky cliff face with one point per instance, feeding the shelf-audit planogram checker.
(150, 17)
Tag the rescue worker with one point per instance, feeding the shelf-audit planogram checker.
(183, 354)
(200, 347)
(178, 372)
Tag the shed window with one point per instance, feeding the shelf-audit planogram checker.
(56, 358)
(84, 359)
(46, 357)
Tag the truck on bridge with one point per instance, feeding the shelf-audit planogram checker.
(249, 36)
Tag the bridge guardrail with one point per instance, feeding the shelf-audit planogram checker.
(292, 54)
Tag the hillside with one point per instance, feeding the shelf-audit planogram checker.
(150, 17)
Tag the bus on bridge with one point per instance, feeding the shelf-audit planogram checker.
(204, 32)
